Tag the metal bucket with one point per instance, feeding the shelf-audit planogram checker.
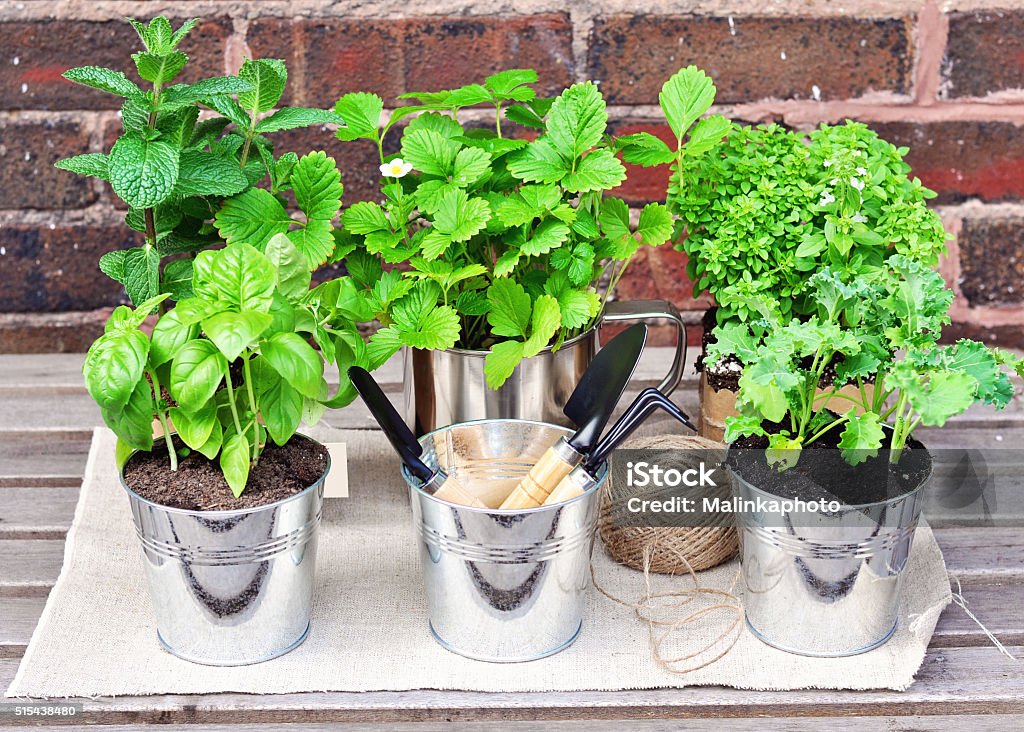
(825, 584)
(447, 387)
(502, 586)
(231, 588)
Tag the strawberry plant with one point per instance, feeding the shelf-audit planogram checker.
(175, 172)
(507, 245)
(883, 326)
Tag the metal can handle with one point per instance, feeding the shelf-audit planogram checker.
(654, 310)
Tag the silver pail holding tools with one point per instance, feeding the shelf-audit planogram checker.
(231, 588)
(448, 386)
(825, 583)
(502, 586)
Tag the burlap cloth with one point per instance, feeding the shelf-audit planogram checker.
(96, 636)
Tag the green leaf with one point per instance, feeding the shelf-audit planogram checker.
(365, 217)
(655, 225)
(615, 219)
(195, 428)
(645, 149)
(281, 408)
(501, 361)
(764, 385)
(137, 269)
(114, 365)
(538, 162)
(94, 164)
(977, 361)
(106, 80)
(293, 275)
(252, 218)
(546, 320)
(142, 172)
(706, 135)
(577, 120)
(600, 170)
(783, 452)
(862, 437)
(315, 240)
(228, 107)
(471, 164)
(234, 463)
(123, 451)
(460, 217)
(133, 423)
(238, 275)
(741, 425)
(169, 335)
(290, 118)
(548, 235)
(578, 307)
(177, 279)
(316, 182)
(268, 78)
(205, 174)
(295, 361)
(232, 333)
(510, 308)
(212, 446)
(429, 152)
(361, 114)
(203, 91)
(687, 95)
(505, 82)
(159, 68)
(940, 396)
(196, 372)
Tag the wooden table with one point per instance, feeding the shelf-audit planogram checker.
(46, 419)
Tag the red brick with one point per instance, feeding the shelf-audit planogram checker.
(633, 55)
(962, 160)
(70, 332)
(643, 185)
(992, 261)
(275, 38)
(659, 273)
(46, 49)
(27, 175)
(391, 57)
(984, 53)
(53, 269)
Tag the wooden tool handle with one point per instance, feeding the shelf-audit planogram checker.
(566, 490)
(533, 489)
(454, 492)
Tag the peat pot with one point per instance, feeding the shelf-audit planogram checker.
(446, 387)
(825, 583)
(231, 588)
(508, 585)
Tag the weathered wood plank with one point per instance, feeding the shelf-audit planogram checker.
(951, 681)
(974, 722)
(29, 567)
(36, 513)
(44, 459)
(18, 618)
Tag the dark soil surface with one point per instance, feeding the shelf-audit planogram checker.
(198, 484)
(823, 472)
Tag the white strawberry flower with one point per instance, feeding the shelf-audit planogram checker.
(397, 168)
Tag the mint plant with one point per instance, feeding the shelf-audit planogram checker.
(884, 327)
(506, 244)
(235, 358)
(175, 171)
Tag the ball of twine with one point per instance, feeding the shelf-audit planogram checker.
(669, 550)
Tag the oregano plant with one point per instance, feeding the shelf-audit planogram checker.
(505, 244)
(174, 171)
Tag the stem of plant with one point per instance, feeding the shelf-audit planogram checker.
(231, 402)
(256, 447)
(163, 420)
(249, 135)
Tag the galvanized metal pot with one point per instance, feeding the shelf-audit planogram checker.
(231, 588)
(825, 583)
(446, 387)
(502, 586)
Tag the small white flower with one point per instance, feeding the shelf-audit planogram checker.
(833, 181)
(856, 183)
(828, 163)
(861, 171)
(859, 218)
(856, 153)
(397, 168)
(826, 198)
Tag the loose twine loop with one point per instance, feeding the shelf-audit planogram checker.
(675, 551)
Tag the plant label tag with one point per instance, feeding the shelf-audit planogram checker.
(336, 484)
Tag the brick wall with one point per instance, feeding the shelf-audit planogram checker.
(947, 80)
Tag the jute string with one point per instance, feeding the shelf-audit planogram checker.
(676, 551)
